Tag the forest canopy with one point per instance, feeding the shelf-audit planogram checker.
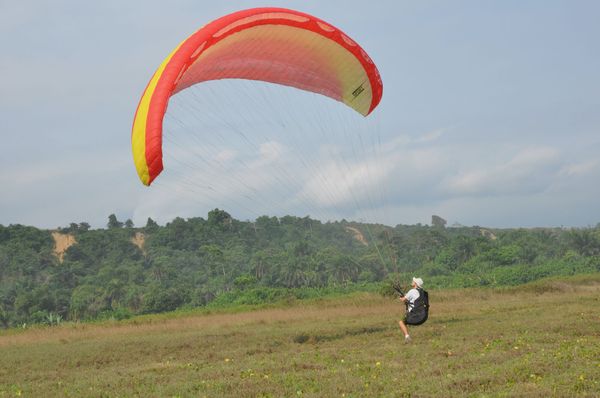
(80, 273)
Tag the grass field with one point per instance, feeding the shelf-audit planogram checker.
(541, 339)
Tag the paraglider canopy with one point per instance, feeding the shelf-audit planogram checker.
(274, 45)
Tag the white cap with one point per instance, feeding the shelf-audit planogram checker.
(418, 281)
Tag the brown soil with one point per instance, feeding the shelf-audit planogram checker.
(357, 235)
(61, 243)
(139, 239)
(488, 234)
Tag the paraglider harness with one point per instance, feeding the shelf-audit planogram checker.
(420, 310)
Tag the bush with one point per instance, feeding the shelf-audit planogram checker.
(117, 314)
(162, 300)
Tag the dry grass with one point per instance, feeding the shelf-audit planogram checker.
(511, 342)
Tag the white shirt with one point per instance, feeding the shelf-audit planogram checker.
(411, 296)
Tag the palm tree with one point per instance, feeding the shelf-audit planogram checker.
(585, 242)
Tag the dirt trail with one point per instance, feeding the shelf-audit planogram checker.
(61, 243)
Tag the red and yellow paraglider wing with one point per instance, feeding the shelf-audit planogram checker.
(143, 142)
(268, 44)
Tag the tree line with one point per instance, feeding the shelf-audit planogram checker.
(219, 260)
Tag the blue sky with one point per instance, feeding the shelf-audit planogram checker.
(490, 114)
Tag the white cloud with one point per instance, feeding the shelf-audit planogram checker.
(271, 151)
(226, 155)
(336, 185)
(397, 172)
(251, 182)
(531, 170)
(431, 136)
(580, 168)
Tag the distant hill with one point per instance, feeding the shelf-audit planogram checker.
(79, 273)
